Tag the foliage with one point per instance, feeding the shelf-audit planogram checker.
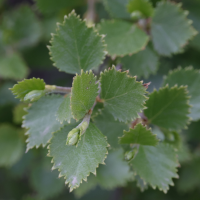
(104, 127)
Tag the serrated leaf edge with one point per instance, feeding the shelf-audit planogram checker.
(171, 181)
(73, 13)
(122, 55)
(187, 98)
(23, 81)
(72, 88)
(147, 129)
(65, 177)
(28, 129)
(188, 21)
(132, 77)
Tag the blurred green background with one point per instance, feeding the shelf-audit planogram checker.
(25, 28)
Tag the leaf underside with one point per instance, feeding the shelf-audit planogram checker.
(64, 111)
(41, 120)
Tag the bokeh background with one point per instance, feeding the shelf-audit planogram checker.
(25, 28)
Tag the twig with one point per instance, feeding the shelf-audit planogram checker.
(57, 89)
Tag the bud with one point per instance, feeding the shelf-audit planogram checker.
(34, 95)
(83, 127)
(130, 154)
(136, 15)
(73, 136)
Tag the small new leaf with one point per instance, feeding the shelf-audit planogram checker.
(83, 95)
(76, 163)
(24, 87)
(34, 95)
(123, 96)
(130, 154)
(168, 108)
(156, 165)
(73, 136)
(143, 6)
(75, 46)
(139, 135)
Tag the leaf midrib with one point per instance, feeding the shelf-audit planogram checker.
(163, 108)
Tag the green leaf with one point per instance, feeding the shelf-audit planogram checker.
(41, 120)
(97, 109)
(76, 163)
(34, 95)
(156, 165)
(170, 30)
(52, 6)
(172, 137)
(84, 92)
(85, 187)
(12, 66)
(75, 46)
(123, 96)
(11, 145)
(110, 127)
(64, 111)
(143, 6)
(24, 87)
(141, 184)
(117, 8)
(7, 95)
(49, 25)
(168, 108)
(191, 78)
(20, 28)
(122, 37)
(139, 135)
(44, 181)
(189, 176)
(115, 172)
(19, 112)
(184, 154)
(143, 63)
